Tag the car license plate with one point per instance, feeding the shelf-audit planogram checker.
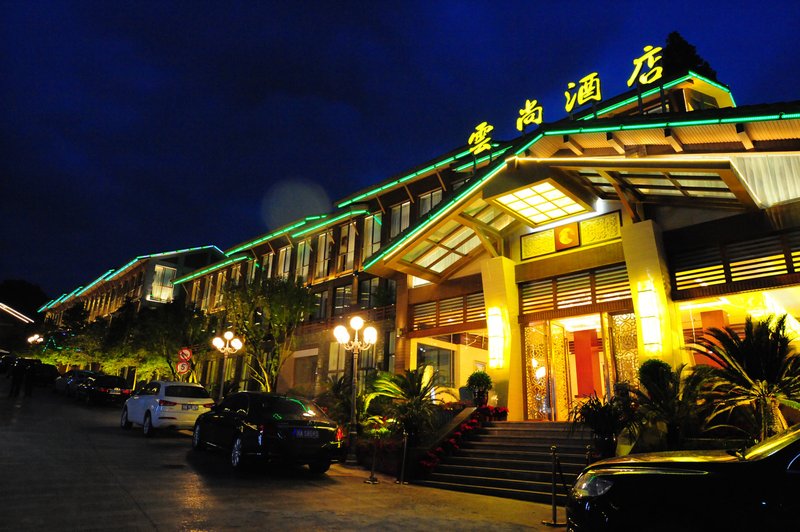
(189, 407)
(114, 391)
(305, 433)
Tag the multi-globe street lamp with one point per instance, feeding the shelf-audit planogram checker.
(227, 345)
(370, 336)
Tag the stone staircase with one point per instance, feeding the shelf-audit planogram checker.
(512, 459)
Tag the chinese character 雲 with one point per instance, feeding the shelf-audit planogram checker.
(530, 114)
(589, 90)
(651, 59)
(480, 140)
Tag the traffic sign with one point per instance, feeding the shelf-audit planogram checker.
(185, 354)
(183, 368)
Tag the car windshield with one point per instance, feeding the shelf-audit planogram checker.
(773, 444)
(286, 408)
(110, 381)
(186, 391)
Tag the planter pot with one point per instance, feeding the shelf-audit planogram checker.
(481, 398)
(604, 446)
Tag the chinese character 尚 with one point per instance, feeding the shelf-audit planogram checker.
(480, 140)
(651, 59)
(530, 114)
(589, 90)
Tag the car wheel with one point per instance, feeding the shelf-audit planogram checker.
(319, 467)
(237, 453)
(123, 419)
(197, 441)
(147, 426)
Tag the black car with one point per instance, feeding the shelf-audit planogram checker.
(275, 428)
(103, 389)
(69, 381)
(45, 374)
(753, 489)
(7, 362)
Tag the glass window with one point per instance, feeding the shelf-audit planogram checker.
(284, 261)
(209, 285)
(372, 235)
(195, 293)
(303, 260)
(266, 264)
(236, 274)
(337, 359)
(429, 201)
(400, 218)
(218, 293)
(342, 297)
(325, 251)
(367, 292)
(195, 392)
(251, 271)
(441, 360)
(320, 306)
(161, 289)
(347, 247)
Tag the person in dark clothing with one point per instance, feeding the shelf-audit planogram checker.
(30, 378)
(17, 376)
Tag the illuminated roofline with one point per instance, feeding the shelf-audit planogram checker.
(670, 123)
(485, 158)
(388, 252)
(403, 179)
(657, 89)
(209, 269)
(275, 234)
(331, 221)
(185, 250)
(55, 301)
(90, 285)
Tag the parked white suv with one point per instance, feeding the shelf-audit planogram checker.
(165, 404)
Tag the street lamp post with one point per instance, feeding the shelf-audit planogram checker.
(370, 336)
(227, 345)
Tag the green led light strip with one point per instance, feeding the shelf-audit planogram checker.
(270, 236)
(102, 277)
(55, 302)
(403, 179)
(388, 251)
(330, 222)
(676, 123)
(485, 158)
(178, 251)
(71, 294)
(209, 269)
(658, 89)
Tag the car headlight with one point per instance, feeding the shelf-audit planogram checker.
(590, 485)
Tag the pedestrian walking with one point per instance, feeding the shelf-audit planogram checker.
(30, 377)
(17, 376)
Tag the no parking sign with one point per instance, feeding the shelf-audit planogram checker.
(185, 354)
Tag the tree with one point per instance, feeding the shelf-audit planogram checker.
(671, 398)
(759, 372)
(266, 315)
(162, 331)
(679, 57)
(414, 398)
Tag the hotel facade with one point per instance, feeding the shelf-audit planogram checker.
(558, 261)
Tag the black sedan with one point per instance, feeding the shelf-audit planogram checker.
(103, 389)
(275, 428)
(754, 489)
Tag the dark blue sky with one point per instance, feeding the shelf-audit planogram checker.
(139, 127)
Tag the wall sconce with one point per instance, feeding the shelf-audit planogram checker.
(494, 323)
(649, 317)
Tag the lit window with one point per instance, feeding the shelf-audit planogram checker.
(372, 235)
(284, 261)
(429, 201)
(400, 218)
(161, 289)
(303, 260)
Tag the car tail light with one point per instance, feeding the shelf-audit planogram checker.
(163, 402)
(102, 390)
(209, 405)
(339, 434)
(126, 392)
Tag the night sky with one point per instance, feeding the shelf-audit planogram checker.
(131, 128)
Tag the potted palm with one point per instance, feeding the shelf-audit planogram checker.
(480, 383)
(606, 418)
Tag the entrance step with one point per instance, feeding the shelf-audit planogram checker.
(513, 460)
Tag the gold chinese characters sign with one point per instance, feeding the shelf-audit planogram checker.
(572, 235)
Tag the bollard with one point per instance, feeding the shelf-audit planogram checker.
(372, 478)
(554, 523)
(401, 480)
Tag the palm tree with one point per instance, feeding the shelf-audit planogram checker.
(414, 399)
(759, 372)
(671, 398)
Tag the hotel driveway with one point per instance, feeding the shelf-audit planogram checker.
(69, 467)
